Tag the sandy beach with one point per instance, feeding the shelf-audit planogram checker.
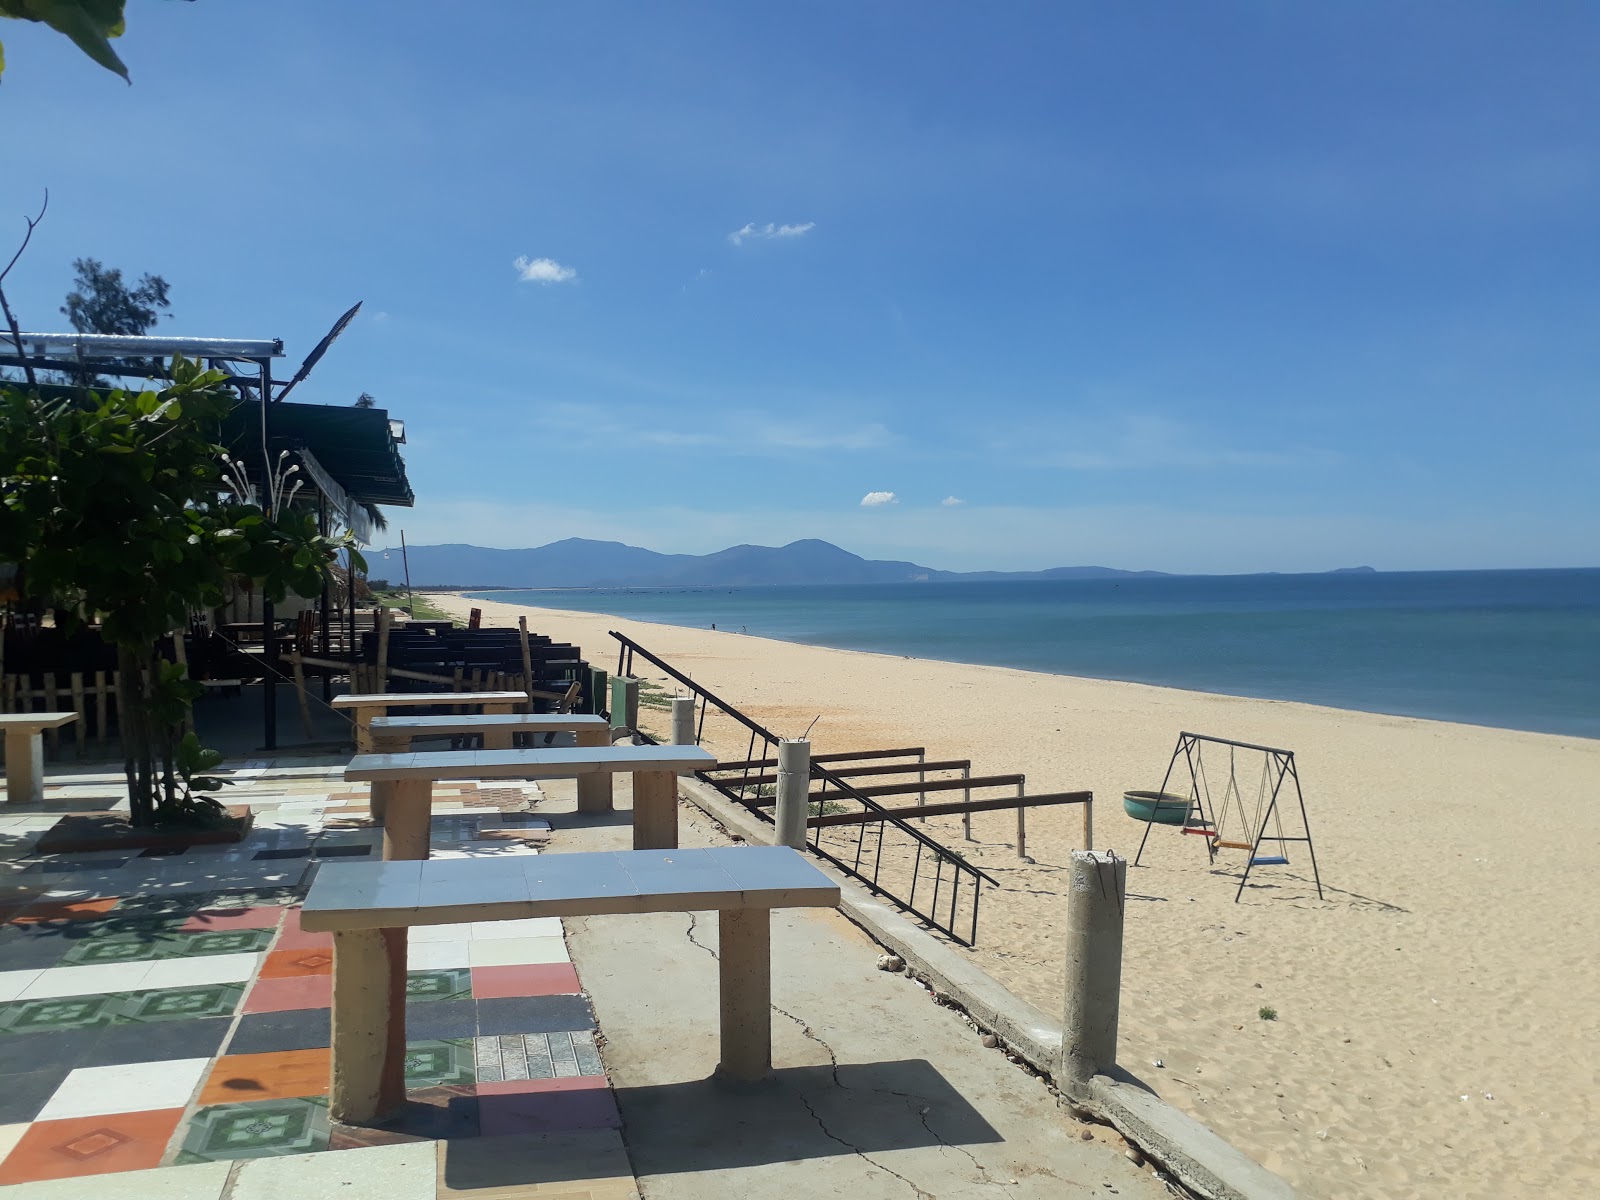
(1437, 1031)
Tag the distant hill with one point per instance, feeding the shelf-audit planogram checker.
(581, 563)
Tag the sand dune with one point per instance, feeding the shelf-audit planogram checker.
(1437, 1031)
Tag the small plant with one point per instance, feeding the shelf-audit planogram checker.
(1267, 1013)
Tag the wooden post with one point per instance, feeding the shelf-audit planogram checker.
(382, 619)
(80, 727)
(102, 701)
(1022, 825)
(52, 736)
(527, 659)
(1088, 824)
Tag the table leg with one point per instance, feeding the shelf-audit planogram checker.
(24, 766)
(364, 729)
(407, 810)
(655, 810)
(368, 1080)
(381, 790)
(744, 937)
(594, 787)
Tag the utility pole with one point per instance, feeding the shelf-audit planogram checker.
(411, 600)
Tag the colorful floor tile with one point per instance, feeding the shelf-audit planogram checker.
(280, 1075)
(192, 1025)
(453, 984)
(256, 1130)
(90, 1146)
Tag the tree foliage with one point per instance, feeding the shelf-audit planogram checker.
(91, 24)
(115, 506)
(101, 302)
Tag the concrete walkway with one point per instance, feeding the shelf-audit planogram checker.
(878, 1090)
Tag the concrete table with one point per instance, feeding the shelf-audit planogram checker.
(393, 735)
(368, 705)
(25, 752)
(409, 799)
(368, 907)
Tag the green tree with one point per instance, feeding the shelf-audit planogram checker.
(115, 505)
(102, 303)
(366, 400)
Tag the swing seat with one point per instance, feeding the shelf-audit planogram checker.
(1234, 845)
(1269, 860)
(1201, 830)
(1160, 808)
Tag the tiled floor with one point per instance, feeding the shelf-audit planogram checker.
(168, 1009)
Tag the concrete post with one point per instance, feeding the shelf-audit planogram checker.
(1095, 900)
(683, 721)
(368, 1080)
(407, 814)
(655, 810)
(24, 766)
(594, 787)
(624, 702)
(794, 780)
(744, 943)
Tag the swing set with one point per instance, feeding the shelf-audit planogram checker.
(1223, 820)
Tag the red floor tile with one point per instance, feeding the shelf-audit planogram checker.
(66, 910)
(546, 1105)
(543, 979)
(218, 919)
(298, 991)
(90, 1146)
(240, 1077)
(292, 937)
(288, 964)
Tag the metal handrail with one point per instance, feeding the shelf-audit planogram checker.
(837, 788)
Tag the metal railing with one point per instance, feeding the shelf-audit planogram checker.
(892, 858)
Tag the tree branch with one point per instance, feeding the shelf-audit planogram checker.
(11, 320)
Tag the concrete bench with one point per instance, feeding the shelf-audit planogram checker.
(25, 752)
(369, 906)
(368, 705)
(402, 784)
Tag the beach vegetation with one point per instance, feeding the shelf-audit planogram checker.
(118, 506)
(1267, 1013)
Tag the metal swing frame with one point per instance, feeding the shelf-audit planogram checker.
(1280, 766)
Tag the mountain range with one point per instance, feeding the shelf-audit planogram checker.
(582, 563)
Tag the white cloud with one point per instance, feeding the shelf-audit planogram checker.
(770, 231)
(542, 270)
(879, 499)
(952, 502)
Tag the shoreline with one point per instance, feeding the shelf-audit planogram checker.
(586, 615)
(1362, 1083)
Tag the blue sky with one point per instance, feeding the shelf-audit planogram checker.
(1213, 287)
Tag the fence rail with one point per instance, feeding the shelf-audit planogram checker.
(890, 856)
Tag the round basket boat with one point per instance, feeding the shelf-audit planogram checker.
(1163, 808)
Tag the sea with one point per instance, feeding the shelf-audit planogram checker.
(1514, 649)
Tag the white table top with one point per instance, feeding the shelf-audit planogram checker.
(561, 763)
(38, 720)
(418, 699)
(384, 895)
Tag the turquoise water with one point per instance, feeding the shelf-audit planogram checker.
(1517, 649)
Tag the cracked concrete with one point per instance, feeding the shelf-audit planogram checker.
(877, 1091)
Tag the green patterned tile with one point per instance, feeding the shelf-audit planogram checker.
(101, 950)
(260, 1129)
(69, 1012)
(224, 941)
(432, 1064)
(454, 984)
(256, 898)
(179, 1004)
